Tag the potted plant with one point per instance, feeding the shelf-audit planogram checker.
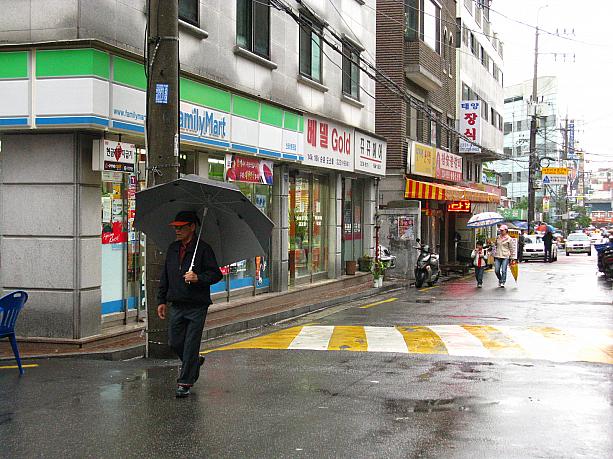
(378, 270)
(365, 263)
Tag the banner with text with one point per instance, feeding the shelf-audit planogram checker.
(370, 154)
(448, 166)
(470, 125)
(328, 144)
(248, 170)
(422, 159)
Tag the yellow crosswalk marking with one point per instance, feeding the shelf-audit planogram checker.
(496, 342)
(277, 340)
(569, 344)
(548, 343)
(348, 338)
(422, 340)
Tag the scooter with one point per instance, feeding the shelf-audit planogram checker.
(605, 258)
(427, 266)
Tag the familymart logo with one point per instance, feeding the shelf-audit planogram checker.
(203, 123)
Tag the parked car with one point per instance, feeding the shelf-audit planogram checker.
(578, 243)
(534, 249)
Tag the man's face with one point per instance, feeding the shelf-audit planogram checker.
(184, 233)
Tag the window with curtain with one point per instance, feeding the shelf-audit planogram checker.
(253, 26)
(351, 71)
(432, 25)
(411, 18)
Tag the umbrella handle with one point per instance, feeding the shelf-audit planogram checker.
(191, 266)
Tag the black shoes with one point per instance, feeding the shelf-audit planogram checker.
(182, 391)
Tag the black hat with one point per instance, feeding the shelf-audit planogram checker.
(185, 217)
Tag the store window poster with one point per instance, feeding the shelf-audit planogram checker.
(406, 228)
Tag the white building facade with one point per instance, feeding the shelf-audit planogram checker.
(480, 64)
(258, 92)
(517, 119)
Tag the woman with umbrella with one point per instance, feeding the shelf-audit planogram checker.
(504, 249)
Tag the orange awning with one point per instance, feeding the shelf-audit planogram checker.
(440, 192)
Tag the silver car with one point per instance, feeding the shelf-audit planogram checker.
(578, 243)
(534, 249)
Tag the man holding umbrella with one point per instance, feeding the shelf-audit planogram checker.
(184, 295)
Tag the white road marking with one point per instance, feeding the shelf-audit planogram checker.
(458, 341)
(385, 339)
(536, 345)
(314, 337)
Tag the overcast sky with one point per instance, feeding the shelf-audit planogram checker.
(586, 84)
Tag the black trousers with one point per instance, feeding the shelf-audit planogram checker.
(547, 252)
(185, 327)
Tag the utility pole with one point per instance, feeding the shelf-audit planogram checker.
(564, 189)
(533, 160)
(162, 137)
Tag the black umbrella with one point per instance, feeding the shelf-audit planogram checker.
(234, 227)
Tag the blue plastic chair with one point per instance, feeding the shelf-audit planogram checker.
(10, 305)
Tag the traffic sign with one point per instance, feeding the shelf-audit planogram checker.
(555, 175)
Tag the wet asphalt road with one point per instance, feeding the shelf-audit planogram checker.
(443, 394)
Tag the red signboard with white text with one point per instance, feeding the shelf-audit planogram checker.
(462, 207)
(470, 125)
(248, 170)
(327, 144)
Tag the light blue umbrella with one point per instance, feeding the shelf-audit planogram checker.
(484, 219)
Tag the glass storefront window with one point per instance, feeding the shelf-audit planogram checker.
(308, 247)
(254, 272)
(121, 255)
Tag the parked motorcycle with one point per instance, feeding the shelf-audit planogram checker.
(605, 258)
(427, 266)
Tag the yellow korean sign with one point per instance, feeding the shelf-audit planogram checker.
(554, 171)
(555, 175)
(423, 159)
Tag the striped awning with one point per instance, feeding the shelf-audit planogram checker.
(440, 192)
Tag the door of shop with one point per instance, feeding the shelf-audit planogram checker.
(353, 205)
(308, 240)
(121, 248)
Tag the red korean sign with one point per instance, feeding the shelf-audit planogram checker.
(459, 206)
(248, 170)
(328, 145)
(470, 125)
(448, 166)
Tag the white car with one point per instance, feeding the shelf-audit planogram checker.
(578, 243)
(534, 249)
(596, 237)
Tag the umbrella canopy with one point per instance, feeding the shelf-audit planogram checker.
(484, 219)
(234, 227)
(543, 227)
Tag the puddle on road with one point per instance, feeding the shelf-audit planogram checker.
(401, 408)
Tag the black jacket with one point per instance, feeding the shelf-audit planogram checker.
(548, 239)
(173, 287)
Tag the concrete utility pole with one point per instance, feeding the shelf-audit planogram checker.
(533, 161)
(162, 131)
